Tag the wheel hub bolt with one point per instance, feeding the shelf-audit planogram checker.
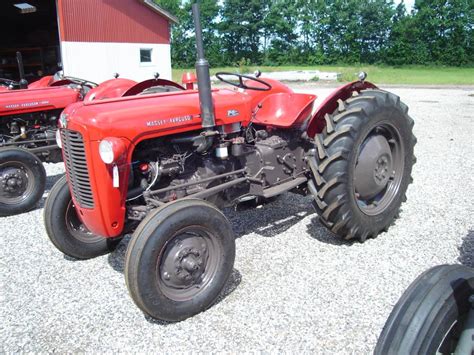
(166, 275)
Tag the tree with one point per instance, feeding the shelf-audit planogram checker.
(405, 45)
(281, 37)
(279, 32)
(183, 49)
(243, 28)
(446, 28)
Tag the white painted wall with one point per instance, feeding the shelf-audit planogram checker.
(99, 61)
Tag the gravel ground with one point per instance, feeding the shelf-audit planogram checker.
(294, 287)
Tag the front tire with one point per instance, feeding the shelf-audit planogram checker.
(65, 229)
(179, 260)
(362, 164)
(430, 315)
(22, 181)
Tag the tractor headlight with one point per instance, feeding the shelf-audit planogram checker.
(58, 139)
(106, 151)
(111, 149)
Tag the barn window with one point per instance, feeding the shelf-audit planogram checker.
(145, 55)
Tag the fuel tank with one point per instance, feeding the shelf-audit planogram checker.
(142, 117)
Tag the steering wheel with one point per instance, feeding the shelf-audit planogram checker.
(81, 81)
(8, 83)
(241, 84)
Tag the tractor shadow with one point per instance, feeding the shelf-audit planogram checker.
(466, 250)
(267, 220)
(50, 181)
(278, 216)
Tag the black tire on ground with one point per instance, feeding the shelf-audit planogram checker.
(22, 180)
(66, 231)
(362, 164)
(179, 260)
(430, 313)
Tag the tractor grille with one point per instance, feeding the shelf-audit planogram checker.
(76, 165)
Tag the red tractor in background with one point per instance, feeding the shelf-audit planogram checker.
(162, 166)
(28, 123)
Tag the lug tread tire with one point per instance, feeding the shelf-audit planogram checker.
(330, 162)
(35, 164)
(426, 311)
(143, 290)
(55, 224)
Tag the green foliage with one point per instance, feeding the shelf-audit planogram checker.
(241, 33)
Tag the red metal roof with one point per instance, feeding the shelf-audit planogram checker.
(128, 21)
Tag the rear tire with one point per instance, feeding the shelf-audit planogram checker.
(179, 259)
(430, 313)
(66, 231)
(362, 164)
(22, 181)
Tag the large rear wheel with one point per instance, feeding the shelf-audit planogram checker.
(362, 164)
(22, 180)
(179, 259)
(433, 316)
(66, 231)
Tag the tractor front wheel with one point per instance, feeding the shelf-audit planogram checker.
(66, 231)
(179, 259)
(22, 180)
(433, 316)
(362, 164)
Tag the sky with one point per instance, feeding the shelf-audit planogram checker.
(408, 3)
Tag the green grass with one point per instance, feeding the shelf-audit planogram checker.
(412, 75)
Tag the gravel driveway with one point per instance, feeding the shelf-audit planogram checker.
(294, 287)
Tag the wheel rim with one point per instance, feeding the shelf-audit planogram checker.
(189, 263)
(450, 339)
(17, 182)
(77, 229)
(379, 169)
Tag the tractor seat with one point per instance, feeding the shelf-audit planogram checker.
(285, 110)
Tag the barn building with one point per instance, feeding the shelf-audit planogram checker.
(91, 39)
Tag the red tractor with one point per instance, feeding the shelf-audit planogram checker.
(29, 116)
(163, 165)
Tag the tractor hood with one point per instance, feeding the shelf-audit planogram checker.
(34, 100)
(142, 117)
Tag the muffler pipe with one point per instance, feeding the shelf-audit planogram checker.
(203, 75)
(21, 69)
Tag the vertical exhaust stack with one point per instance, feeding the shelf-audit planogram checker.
(203, 75)
(21, 69)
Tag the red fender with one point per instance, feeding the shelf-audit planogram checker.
(41, 83)
(284, 110)
(110, 89)
(60, 82)
(140, 87)
(329, 105)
